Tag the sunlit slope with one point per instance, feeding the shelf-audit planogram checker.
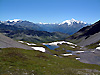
(14, 61)
(6, 42)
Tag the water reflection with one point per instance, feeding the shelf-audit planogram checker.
(68, 51)
(52, 47)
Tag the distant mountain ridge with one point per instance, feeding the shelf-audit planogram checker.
(68, 26)
(30, 35)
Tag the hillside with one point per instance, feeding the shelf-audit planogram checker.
(14, 61)
(36, 36)
(87, 35)
(6, 42)
(24, 34)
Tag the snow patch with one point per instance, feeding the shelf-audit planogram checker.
(60, 42)
(98, 48)
(26, 43)
(39, 48)
(71, 43)
(77, 58)
(21, 41)
(79, 51)
(66, 54)
(55, 55)
(55, 43)
(30, 44)
(99, 43)
(72, 46)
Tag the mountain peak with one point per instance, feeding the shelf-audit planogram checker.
(70, 22)
(73, 19)
(15, 20)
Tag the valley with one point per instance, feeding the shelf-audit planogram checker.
(25, 51)
(49, 37)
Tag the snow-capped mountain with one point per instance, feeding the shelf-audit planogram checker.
(69, 22)
(15, 20)
(72, 21)
(11, 22)
(67, 26)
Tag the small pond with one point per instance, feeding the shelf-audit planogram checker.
(68, 51)
(52, 47)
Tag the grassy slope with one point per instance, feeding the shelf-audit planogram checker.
(19, 62)
(35, 36)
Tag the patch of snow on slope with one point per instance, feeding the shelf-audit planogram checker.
(55, 43)
(31, 44)
(39, 48)
(99, 43)
(79, 51)
(98, 48)
(66, 54)
(72, 46)
(60, 42)
(21, 41)
(77, 58)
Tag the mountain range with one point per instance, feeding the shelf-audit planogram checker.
(68, 26)
(43, 32)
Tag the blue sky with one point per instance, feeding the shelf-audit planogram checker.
(50, 11)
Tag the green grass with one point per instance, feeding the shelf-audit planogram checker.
(67, 47)
(19, 62)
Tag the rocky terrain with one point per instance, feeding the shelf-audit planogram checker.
(87, 35)
(6, 42)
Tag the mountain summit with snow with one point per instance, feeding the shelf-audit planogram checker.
(67, 26)
(15, 20)
(72, 21)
